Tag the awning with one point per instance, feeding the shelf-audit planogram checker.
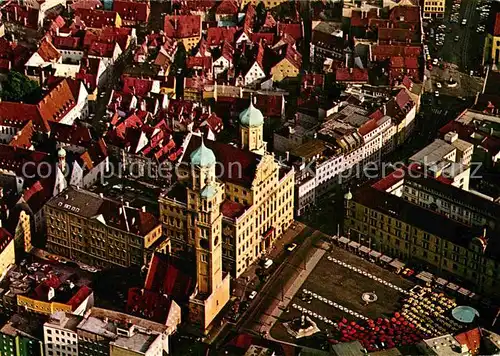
(354, 244)
(425, 276)
(452, 286)
(375, 254)
(441, 281)
(268, 233)
(397, 264)
(386, 259)
(364, 249)
(334, 237)
(344, 240)
(464, 291)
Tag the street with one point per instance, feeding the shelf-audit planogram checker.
(466, 52)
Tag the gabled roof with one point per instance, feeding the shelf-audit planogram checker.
(292, 29)
(117, 215)
(167, 276)
(269, 22)
(99, 49)
(70, 42)
(70, 134)
(23, 137)
(97, 18)
(387, 51)
(216, 36)
(204, 63)
(351, 75)
(48, 52)
(86, 4)
(182, 26)
(227, 7)
(130, 10)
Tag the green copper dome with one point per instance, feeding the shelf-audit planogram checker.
(208, 192)
(251, 116)
(203, 156)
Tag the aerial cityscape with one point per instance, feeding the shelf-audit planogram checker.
(249, 177)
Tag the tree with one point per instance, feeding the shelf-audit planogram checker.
(20, 88)
(180, 57)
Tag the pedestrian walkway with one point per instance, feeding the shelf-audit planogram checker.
(271, 315)
(248, 279)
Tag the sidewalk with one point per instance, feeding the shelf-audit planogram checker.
(271, 315)
(248, 279)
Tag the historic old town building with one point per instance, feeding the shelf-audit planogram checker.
(256, 203)
(93, 229)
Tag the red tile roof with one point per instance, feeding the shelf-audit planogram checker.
(204, 63)
(148, 305)
(97, 18)
(5, 238)
(48, 52)
(86, 4)
(227, 7)
(76, 300)
(100, 49)
(266, 37)
(165, 277)
(231, 209)
(242, 173)
(496, 25)
(70, 134)
(387, 51)
(136, 86)
(313, 79)
(269, 22)
(23, 137)
(182, 26)
(73, 43)
(216, 36)
(356, 75)
(250, 15)
(292, 29)
(406, 14)
(131, 10)
(471, 338)
(26, 16)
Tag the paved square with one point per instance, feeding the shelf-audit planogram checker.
(345, 287)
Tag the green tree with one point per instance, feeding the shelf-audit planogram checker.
(18, 87)
(180, 58)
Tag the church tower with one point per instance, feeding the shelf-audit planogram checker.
(252, 129)
(205, 196)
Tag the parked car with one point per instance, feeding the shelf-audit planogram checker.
(436, 93)
(268, 263)
(252, 295)
(438, 84)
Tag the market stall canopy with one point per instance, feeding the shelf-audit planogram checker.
(354, 244)
(425, 276)
(464, 291)
(441, 281)
(375, 254)
(344, 240)
(386, 259)
(397, 264)
(364, 249)
(452, 286)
